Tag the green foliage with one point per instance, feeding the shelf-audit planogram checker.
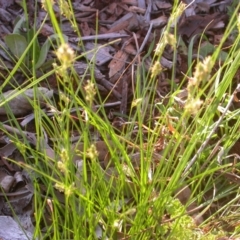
(16, 43)
(207, 49)
(19, 41)
(180, 221)
(134, 197)
(45, 48)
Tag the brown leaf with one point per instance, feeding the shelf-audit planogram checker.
(128, 21)
(130, 49)
(85, 29)
(46, 30)
(163, 5)
(203, 7)
(159, 22)
(118, 63)
(100, 54)
(196, 24)
(184, 195)
(112, 8)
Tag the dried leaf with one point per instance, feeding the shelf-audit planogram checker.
(118, 62)
(128, 21)
(197, 24)
(203, 7)
(159, 22)
(163, 5)
(99, 54)
(8, 149)
(17, 201)
(6, 182)
(184, 195)
(11, 230)
(25, 219)
(46, 30)
(130, 49)
(166, 63)
(21, 104)
(85, 29)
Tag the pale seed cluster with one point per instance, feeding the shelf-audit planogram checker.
(65, 9)
(65, 55)
(92, 152)
(90, 92)
(201, 74)
(45, 4)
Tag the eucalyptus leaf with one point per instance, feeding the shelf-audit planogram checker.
(45, 48)
(16, 43)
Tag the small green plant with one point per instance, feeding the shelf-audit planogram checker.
(22, 37)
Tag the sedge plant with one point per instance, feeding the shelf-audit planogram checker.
(164, 150)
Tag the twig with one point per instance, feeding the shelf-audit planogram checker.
(146, 38)
(99, 37)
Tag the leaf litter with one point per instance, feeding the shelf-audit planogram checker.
(125, 33)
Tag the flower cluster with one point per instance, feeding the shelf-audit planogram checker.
(67, 190)
(90, 91)
(63, 163)
(45, 4)
(156, 69)
(92, 152)
(202, 74)
(65, 55)
(65, 9)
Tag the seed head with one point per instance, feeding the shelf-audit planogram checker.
(156, 69)
(65, 9)
(193, 105)
(203, 70)
(66, 55)
(45, 4)
(92, 152)
(62, 166)
(90, 91)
